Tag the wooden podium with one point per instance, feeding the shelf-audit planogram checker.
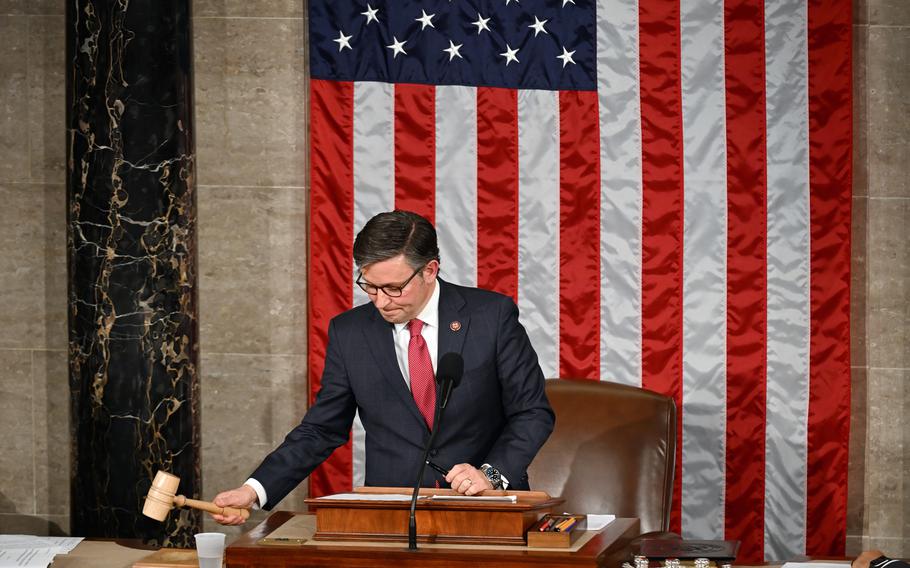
(360, 533)
(453, 518)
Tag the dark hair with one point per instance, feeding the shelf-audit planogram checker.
(394, 233)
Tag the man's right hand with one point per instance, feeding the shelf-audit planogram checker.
(243, 497)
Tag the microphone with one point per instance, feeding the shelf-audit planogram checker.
(448, 376)
(451, 367)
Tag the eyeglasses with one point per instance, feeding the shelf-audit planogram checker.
(389, 290)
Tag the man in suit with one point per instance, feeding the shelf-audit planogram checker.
(380, 361)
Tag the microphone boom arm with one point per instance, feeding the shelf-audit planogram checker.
(412, 515)
(450, 369)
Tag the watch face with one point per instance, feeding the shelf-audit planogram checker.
(493, 475)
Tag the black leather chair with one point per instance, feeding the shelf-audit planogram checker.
(613, 451)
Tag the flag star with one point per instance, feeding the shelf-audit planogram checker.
(453, 50)
(564, 2)
(481, 23)
(538, 26)
(510, 55)
(566, 57)
(371, 14)
(343, 41)
(397, 47)
(425, 20)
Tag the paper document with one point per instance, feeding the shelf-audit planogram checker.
(16, 557)
(500, 498)
(597, 522)
(826, 564)
(27, 551)
(367, 497)
(62, 543)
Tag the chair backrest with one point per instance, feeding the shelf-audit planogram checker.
(612, 451)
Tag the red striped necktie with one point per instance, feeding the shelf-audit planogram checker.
(420, 369)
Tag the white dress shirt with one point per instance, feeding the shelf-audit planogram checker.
(430, 332)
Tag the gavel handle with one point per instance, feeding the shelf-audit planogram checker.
(181, 501)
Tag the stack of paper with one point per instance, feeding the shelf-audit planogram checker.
(366, 497)
(597, 522)
(828, 564)
(503, 498)
(21, 550)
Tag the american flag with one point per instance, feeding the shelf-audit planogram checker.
(663, 186)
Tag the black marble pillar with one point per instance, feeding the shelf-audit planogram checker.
(133, 328)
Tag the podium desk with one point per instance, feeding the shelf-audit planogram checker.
(247, 551)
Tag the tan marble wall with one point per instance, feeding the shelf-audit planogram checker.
(250, 135)
(880, 449)
(34, 396)
(251, 143)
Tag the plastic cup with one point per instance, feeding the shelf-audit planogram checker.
(210, 549)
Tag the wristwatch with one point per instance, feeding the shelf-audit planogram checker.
(493, 475)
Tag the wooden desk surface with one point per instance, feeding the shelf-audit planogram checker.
(245, 552)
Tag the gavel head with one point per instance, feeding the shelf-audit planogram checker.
(160, 499)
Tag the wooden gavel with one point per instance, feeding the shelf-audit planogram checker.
(161, 499)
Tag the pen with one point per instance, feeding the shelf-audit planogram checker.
(566, 525)
(554, 522)
(438, 468)
(545, 526)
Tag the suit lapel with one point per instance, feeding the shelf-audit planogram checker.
(453, 324)
(379, 337)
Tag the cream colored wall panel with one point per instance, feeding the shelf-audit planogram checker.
(250, 101)
(252, 270)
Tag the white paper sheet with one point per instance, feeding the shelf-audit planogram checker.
(597, 522)
(367, 497)
(500, 498)
(62, 543)
(27, 557)
(23, 550)
(827, 564)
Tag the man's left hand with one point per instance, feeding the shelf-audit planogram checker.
(467, 479)
(864, 559)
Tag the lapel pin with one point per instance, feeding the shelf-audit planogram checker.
(455, 325)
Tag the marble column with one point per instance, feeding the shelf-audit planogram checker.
(133, 329)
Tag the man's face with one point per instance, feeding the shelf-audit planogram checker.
(395, 272)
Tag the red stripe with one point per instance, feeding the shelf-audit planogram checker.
(662, 210)
(415, 149)
(744, 513)
(579, 227)
(830, 149)
(497, 190)
(330, 251)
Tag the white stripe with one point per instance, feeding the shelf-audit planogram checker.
(538, 223)
(621, 190)
(704, 389)
(456, 182)
(374, 192)
(788, 277)
(374, 160)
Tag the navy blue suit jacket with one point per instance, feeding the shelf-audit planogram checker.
(499, 414)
